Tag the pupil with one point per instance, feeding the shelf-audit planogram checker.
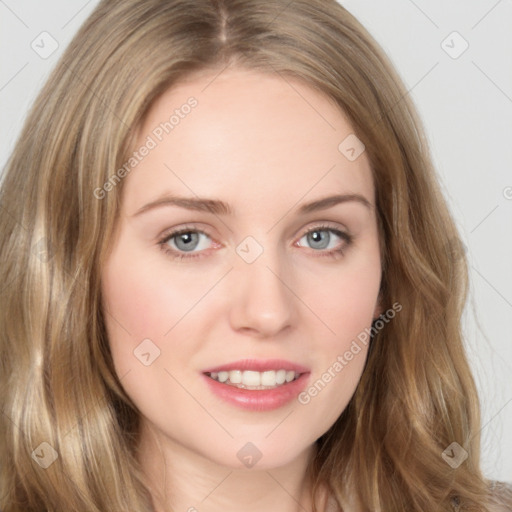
(319, 239)
(187, 241)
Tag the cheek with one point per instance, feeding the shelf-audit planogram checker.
(346, 305)
(347, 299)
(141, 308)
(150, 323)
(343, 356)
(142, 301)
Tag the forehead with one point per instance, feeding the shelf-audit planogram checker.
(248, 137)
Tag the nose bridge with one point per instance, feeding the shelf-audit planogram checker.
(261, 300)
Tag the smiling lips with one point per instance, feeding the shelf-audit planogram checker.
(257, 384)
(257, 374)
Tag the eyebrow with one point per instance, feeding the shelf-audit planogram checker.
(218, 207)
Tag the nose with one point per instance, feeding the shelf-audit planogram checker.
(263, 303)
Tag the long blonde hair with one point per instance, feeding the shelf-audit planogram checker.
(60, 396)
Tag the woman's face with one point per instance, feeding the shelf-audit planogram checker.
(274, 275)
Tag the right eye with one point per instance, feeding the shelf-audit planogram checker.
(185, 243)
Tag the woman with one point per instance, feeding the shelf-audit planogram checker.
(235, 282)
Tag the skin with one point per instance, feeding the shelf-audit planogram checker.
(265, 146)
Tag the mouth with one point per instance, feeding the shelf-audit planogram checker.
(256, 385)
(254, 374)
(255, 380)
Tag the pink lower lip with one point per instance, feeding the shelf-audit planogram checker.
(258, 399)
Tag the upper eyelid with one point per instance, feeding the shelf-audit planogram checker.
(169, 233)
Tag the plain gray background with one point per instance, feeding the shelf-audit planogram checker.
(465, 101)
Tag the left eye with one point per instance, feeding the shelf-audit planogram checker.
(323, 238)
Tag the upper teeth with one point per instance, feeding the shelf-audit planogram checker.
(252, 378)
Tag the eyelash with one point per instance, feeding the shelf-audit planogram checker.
(333, 253)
